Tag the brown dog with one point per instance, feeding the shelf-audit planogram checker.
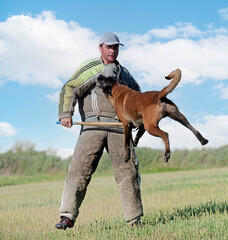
(145, 110)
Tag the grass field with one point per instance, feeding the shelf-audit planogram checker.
(177, 205)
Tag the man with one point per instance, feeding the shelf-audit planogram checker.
(94, 107)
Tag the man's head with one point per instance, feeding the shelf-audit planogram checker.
(109, 47)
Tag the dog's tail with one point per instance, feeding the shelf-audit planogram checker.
(176, 76)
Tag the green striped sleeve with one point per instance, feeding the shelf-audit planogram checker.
(81, 77)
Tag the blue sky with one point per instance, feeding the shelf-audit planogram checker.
(43, 42)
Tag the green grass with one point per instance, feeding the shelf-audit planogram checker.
(177, 205)
(21, 179)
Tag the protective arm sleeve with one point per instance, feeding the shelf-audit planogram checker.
(67, 101)
(79, 83)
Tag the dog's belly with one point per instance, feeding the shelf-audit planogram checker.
(136, 122)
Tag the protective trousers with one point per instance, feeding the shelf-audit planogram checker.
(87, 154)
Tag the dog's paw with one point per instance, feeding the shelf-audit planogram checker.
(204, 141)
(135, 143)
(167, 156)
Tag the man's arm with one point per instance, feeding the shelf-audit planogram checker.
(131, 82)
(79, 83)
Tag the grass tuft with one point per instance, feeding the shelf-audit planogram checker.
(188, 212)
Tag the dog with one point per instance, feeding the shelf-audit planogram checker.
(145, 110)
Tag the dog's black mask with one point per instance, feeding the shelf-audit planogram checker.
(106, 83)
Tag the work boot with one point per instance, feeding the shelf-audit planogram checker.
(64, 223)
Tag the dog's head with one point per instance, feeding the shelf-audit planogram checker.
(107, 84)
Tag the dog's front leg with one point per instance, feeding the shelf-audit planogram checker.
(139, 134)
(127, 138)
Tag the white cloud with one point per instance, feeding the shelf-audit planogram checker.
(222, 90)
(64, 152)
(53, 97)
(199, 60)
(224, 13)
(43, 50)
(224, 93)
(180, 30)
(218, 86)
(169, 32)
(214, 128)
(7, 130)
(74, 129)
(2, 82)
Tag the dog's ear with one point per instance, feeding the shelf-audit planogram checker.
(105, 85)
(100, 78)
(108, 90)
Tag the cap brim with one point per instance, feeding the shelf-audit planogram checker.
(113, 43)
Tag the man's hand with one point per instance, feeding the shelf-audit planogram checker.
(66, 122)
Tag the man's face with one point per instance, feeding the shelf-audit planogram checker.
(109, 53)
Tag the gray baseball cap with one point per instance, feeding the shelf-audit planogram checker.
(109, 38)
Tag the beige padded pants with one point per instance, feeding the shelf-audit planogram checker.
(87, 154)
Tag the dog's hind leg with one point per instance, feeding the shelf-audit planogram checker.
(157, 132)
(176, 115)
(139, 134)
